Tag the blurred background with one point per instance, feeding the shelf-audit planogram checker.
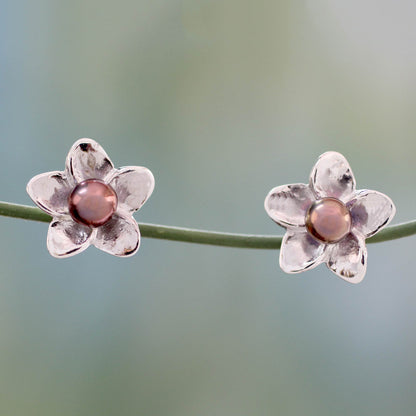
(222, 100)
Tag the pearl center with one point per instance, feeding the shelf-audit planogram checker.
(92, 202)
(328, 220)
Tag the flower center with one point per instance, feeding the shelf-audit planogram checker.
(92, 202)
(328, 220)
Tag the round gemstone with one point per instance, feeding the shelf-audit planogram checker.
(328, 220)
(92, 202)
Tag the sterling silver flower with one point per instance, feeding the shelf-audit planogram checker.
(91, 202)
(328, 220)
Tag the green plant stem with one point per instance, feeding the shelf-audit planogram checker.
(206, 237)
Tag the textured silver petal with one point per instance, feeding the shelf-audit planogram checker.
(371, 211)
(287, 204)
(50, 192)
(300, 252)
(348, 258)
(88, 160)
(332, 177)
(120, 236)
(67, 238)
(133, 185)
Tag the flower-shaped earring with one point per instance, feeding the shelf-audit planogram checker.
(328, 220)
(91, 202)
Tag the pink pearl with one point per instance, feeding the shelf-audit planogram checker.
(328, 220)
(92, 202)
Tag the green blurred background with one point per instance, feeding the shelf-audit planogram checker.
(222, 100)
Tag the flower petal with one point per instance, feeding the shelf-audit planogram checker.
(332, 177)
(371, 211)
(66, 237)
(50, 192)
(88, 160)
(287, 205)
(133, 186)
(348, 258)
(300, 251)
(120, 236)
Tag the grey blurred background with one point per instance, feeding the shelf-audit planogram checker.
(222, 100)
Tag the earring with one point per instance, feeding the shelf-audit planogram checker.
(91, 202)
(328, 220)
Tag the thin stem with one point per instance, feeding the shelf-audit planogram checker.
(206, 237)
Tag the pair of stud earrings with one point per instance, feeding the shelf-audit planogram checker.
(326, 221)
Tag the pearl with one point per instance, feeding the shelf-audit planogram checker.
(92, 202)
(328, 220)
